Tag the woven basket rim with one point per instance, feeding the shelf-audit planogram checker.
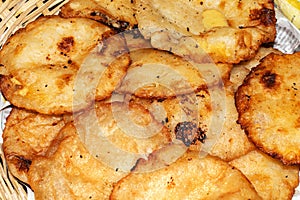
(16, 14)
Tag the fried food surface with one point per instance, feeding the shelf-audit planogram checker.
(42, 61)
(159, 74)
(239, 71)
(192, 120)
(267, 104)
(228, 31)
(190, 177)
(27, 135)
(69, 171)
(271, 179)
(120, 133)
(118, 13)
(232, 142)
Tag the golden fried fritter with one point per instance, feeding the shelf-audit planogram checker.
(27, 135)
(121, 131)
(268, 106)
(160, 74)
(118, 13)
(229, 31)
(69, 171)
(190, 177)
(271, 179)
(193, 120)
(42, 61)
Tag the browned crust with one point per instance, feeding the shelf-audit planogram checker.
(269, 81)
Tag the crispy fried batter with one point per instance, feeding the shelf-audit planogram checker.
(271, 179)
(192, 120)
(118, 13)
(27, 135)
(121, 132)
(69, 171)
(42, 61)
(190, 177)
(160, 74)
(229, 31)
(268, 106)
(241, 70)
(232, 141)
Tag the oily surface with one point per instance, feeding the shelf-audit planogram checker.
(267, 104)
(190, 177)
(159, 74)
(227, 31)
(27, 135)
(119, 133)
(69, 171)
(41, 62)
(271, 179)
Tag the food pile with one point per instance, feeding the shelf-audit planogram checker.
(149, 99)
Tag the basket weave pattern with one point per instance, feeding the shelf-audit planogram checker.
(16, 14)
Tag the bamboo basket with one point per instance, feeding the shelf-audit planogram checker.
(16, 14)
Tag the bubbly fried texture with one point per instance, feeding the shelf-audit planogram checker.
(118, 13)
(267, 104)
(241, 70)
(159, 74)
(42, 61)
(271, 179)
(229, 31)
(192, 119)
(69, 171)
(27, 135)
(190, 177)
(119, 131)
(186, 117)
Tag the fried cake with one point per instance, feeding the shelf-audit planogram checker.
(161, 74)
(228, 31)
(271, 179)
(41, 63)
(121, 132)
(69, 171)
(190, 177)
(26, 135)
(267, 103)
(204, 121)
(118, 14)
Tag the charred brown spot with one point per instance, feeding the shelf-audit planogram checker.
(66, 44)
(171, 183)
(23, 163)
(189, 133)
(265, 16)
(269, 79)
(240, 4)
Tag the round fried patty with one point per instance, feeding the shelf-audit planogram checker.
(41, 62)
(268, 106)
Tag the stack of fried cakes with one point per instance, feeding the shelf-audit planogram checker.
(149, 99)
